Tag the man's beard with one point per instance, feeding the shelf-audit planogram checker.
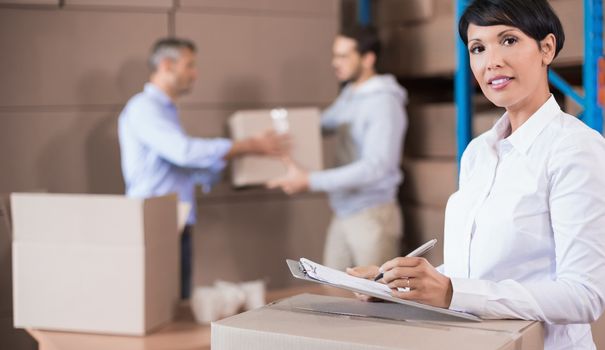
(184, 89)
(355, 75)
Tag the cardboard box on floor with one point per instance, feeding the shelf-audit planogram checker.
(289, 324)
(94, 263)
(303, 126)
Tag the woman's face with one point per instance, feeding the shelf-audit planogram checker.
(510, 66)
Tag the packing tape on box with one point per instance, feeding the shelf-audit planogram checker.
(279, 116)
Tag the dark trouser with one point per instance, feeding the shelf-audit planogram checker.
(186, 266)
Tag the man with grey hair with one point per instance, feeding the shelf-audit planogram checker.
(158, 157)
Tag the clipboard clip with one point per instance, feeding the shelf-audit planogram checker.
(307, 268)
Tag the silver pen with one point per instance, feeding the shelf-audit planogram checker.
(416, 252)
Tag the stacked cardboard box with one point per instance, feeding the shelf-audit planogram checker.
(94, 263)
(289, 324)
(301, 124)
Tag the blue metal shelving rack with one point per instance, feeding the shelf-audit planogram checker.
(364, 12)
(462, 89)
(593, 50)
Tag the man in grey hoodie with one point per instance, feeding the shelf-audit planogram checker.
(369, 112)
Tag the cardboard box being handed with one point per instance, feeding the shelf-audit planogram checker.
(303, 125)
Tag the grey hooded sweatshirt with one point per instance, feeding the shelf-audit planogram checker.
(373, 118)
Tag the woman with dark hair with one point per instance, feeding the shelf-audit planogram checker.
(525, 232)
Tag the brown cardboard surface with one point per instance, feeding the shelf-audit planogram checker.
(422, 224)
(61, 151)
(485, 120)
(82, 262)
(277, 327)
(206, 122)
(315, 7)
(73, 57)
(30, 2)
(252, 59)
(444, 7)
(432, 128)
(250, 237)
(145, 4)
(432, 131)
(429, 182)
(571, 14)
(422, 49)
(397, 12)
(304, 130)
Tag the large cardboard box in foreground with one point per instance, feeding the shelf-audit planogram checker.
(303, 126)
(94, 263)
(289, 324)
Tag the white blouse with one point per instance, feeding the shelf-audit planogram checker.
(525, 232)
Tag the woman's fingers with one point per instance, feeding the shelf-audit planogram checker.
(402, 262)
(367, 272)
(411, 283)
(401, 272)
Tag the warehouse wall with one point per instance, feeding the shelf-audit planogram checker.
(68, 67)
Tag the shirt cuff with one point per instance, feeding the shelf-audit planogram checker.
(467, 296)
(317, 182)
(223, 147)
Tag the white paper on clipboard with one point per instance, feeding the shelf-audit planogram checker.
(310, 271)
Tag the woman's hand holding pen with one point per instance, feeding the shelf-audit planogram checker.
(420, 281)
(426, 285)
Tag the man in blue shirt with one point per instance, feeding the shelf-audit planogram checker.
(370, 117)
(158, 157)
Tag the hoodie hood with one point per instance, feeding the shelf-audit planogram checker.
(380, 84)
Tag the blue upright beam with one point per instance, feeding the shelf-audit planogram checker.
(462, 89)
(364, 12)
(593, 49)
(564, 87)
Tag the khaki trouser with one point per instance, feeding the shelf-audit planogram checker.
(369, 237)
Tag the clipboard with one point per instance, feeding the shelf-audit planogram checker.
(418, 310)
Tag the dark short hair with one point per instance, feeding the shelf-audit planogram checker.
(366, 38)
(535, 18)
(168, 48)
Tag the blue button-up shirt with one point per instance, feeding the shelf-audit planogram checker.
(158, 157)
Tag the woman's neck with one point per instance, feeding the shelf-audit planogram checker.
(522, 111)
